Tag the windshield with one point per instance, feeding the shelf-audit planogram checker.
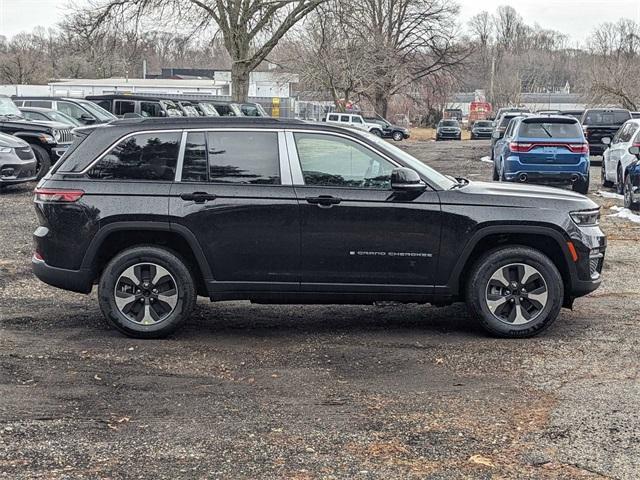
(550, 129)
(7, 107)
(604, 117)
(99, 112)
(449, 123)
(63, 118)
(435, 177)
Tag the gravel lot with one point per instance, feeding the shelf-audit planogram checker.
(318, 392)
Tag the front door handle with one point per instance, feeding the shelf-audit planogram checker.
(324, 201)
(198, 197)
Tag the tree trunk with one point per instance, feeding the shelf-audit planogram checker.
(240, 81)
(381, 103)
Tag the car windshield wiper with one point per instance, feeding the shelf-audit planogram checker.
(10, 115)
(546, 131)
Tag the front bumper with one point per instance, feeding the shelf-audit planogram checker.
(18, 171)
(590, 245)
(481, 134)
(452, 135)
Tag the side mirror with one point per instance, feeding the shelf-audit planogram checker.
(606, 140)
(496, 135)
(87, 119)
(406, 180)
(634, 150)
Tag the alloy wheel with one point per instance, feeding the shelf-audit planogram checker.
(146, 293)
(516, 294)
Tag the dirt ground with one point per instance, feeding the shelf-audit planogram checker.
(318, 392)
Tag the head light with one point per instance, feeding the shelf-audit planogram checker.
(586, 218)
(57, 136)
(5, 149)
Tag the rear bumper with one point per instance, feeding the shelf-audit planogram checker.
(551, 173)
(597, 148)
(80, 281)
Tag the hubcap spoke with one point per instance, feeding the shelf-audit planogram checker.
(146, 293)
(516, 294)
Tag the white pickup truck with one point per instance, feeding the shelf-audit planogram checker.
(353, 120)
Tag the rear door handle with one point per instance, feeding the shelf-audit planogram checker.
(325, 201)
(198, 197)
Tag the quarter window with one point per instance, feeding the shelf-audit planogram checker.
(146, 156)
(37, 103)
(243, 157)
(333, 161)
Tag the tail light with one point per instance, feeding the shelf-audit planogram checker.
(57, 195)
(579, 148)
(520, 147)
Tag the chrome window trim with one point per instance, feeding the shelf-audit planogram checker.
(286, 177)
(180, 163)
(283, 162)
(296, 167)
(110, 147)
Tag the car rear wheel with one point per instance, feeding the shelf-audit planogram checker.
(515, 292)
(43, 159)
(628, 196)
(603, 176)
(376, 132)
(397, 136)
(582, 186)
(620, 181)
(146, 292)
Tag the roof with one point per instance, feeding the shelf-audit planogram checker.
(159, 96)
(203, 122)
(137, 82)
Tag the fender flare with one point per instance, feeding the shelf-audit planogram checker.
(184, 232)
(483, 232)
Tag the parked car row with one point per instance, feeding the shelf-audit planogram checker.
(375, 125)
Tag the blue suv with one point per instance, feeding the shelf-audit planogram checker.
(543, 149)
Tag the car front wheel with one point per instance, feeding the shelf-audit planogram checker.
(398, 136)
(620, 181)
(515, 292)
(146, 292)
(603, 176)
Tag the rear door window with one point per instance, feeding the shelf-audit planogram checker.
(334, 118)
(124, 106)
(150, 109)
(243, 157)
(548, 129)
(345, 118)
(145, 156)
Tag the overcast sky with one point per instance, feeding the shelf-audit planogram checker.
(576, 18)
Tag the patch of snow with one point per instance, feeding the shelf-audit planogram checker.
(625, 213)
(604, 194)
(486, 159)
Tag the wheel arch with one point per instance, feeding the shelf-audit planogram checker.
(544, 239)
(117, 237)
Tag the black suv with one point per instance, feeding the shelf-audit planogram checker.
(159, 211)
(598, 123)
(48, 140)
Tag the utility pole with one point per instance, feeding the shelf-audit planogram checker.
(144, 69)
(493, 74)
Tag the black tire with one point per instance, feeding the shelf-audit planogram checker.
(43, 158)
(581, 186)
(496, 177)
(478, 286)
(605, 183)
(147, 255)
(628, 198)
(397, 136)
(377, 132)
(620, 181)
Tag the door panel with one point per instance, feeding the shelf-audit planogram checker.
(370, 237)
(355, 229)
(232, 198)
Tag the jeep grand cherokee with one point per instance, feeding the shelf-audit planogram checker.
(159, 211)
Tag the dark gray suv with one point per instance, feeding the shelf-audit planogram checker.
(18, 164)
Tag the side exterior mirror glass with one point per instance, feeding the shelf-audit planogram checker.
(496, 135)
(405, 179)
(634, 150)
(606, 140)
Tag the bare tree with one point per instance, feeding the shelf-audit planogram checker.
(250, 28)
(615, 64)
(22, 61)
